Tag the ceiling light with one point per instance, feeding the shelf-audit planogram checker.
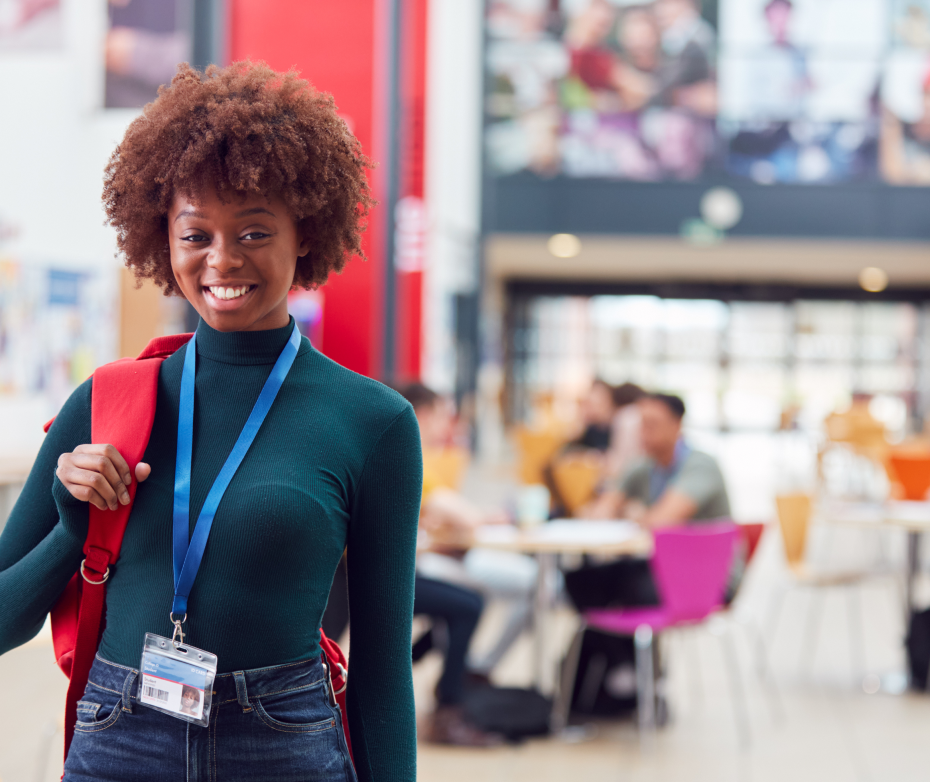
(564, 245)
(721, 208)
(873, 279)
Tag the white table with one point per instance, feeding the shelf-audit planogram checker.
(912, 517)
(546, 542)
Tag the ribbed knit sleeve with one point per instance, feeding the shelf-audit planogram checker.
(381, 562)
(40, 548)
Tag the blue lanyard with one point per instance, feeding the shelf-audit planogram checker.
(660, 477)
(188, 555)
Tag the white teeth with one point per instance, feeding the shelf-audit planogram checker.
(228, 293)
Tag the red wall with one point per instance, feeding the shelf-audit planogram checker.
(333, 45)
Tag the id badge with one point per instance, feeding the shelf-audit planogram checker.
(177, 680)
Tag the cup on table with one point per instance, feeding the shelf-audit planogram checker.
(532, 505)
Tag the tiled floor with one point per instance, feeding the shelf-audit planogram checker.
(827, 729)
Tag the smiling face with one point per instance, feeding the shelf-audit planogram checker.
(234, 261)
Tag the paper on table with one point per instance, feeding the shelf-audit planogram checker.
(565, 531)
(908, 510)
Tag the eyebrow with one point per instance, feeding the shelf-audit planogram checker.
(244, 213)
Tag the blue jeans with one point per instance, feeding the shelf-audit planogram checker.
(266, 724)
(460, 608)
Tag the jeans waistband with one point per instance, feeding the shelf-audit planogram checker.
(235, 686)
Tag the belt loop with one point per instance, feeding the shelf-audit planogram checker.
(241, 691)
(127, 690)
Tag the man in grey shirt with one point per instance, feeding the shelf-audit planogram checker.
(672, 485)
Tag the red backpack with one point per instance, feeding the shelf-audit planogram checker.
(122, 412)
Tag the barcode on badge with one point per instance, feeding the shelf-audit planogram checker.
(154, 692)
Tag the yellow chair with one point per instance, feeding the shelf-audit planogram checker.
(444, 467)
(794, 517)
(535, 450)
(576, 477)
(794, 513)
(857, 430)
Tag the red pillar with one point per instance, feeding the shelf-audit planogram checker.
(411, 228)
(334, 45)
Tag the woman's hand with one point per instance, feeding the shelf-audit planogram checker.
(98, 474)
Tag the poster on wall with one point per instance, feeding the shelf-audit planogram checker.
(145, 42)
(30, 25)
(767, 91)
(56, 327)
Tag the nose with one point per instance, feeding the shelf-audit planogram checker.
(223, 255)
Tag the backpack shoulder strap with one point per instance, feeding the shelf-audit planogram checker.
(123, 400)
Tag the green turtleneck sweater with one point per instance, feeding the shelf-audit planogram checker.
(336, 465)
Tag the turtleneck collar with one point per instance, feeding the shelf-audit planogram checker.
(242, 347)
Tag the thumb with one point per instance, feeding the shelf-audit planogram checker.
(142, 471)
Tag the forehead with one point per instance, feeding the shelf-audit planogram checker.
(206, 200)
(654, 408)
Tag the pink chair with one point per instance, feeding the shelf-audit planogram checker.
(691, 566)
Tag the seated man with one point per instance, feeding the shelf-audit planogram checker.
(451, 520)
(673, 484)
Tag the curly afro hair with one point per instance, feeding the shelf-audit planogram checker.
(242, 129)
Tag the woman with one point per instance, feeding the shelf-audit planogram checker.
(230, 189)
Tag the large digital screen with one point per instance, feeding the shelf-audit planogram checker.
(764, 91)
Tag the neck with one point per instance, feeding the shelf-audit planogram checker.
(666, 456)
(242, 347)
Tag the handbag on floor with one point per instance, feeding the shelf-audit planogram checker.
(511, 712)
(123, 401)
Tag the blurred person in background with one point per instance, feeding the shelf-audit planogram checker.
(625, 436)
(672, 485)
(904, 149)
(640, 39)
(777, 80)
(452, 576)
(592, 440)
(686, 77)
(597, 418)
(233, 187)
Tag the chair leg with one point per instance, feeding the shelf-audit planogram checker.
(737, 692)
(562, 705)
(774, 615)
(594, 674)
(691, 651)
(645, 682)
(856, 632)
(809, 643)
(764, 671)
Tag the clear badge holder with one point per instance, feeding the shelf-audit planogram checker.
(177, 679)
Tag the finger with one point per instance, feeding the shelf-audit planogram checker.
(89, 479)
(143, 471)
(102, 449)
(84, 494)
(120, 463)
(105, 467)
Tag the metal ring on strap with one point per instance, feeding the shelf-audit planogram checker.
(95, 583)
(345, 679)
